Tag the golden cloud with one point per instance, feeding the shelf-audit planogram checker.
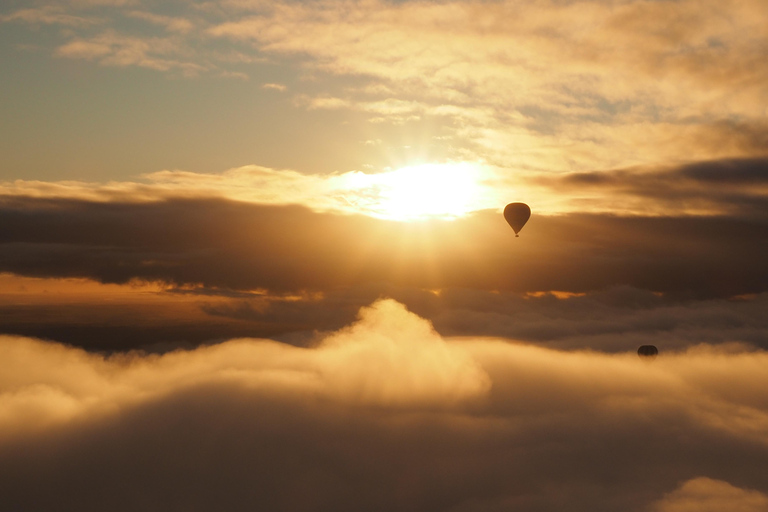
(707, 495)
(389, 357)
(602, 84)
(477, 424)
(556, 86)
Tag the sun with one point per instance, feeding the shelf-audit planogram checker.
(446, 190)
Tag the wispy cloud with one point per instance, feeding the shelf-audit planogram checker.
(274, 87)
(556, 66)
(538, 85)
(172, 24)
(350, 192)
(705, 188)
(113, 49)
(50, 15)
(730, 186)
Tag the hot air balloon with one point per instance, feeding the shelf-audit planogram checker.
(516, 215)
(647, 351)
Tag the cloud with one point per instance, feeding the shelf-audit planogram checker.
(728, 186)
(274, 87)
(388, 357)
(705, 494)
(343, 192)
(613, 320)
(113, 49)
(552, 86)
(465, 186)
(602, 78)
(170, 23)
(403, 360)
(49, 15)
(97, 3)
(731, 186)
(241, 246)
(109, 317)
(381, 415)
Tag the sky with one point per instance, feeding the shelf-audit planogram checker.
(252, 255)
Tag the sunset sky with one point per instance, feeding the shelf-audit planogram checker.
(252, 255)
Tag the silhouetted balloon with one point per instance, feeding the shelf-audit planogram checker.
(647, 351)
(516, 215)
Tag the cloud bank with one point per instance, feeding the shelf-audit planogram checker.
(258, 265)
(381, 415)
(239, 246)
(729, 186)
(154, 318)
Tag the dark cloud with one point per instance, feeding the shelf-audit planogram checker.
(743, 171)
(736, 171)
(119, 327)
(739, 137)
(735, 186)
(220, 244)
(617, 319)
(291, 274)
(611, 320)
(382, 415)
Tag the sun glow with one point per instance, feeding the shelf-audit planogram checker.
(429, 190)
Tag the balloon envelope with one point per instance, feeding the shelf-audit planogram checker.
(647, 351)
(516, 215)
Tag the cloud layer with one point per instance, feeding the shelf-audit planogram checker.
(226, 244)
(733, 186)
(109, 318)
(254, 264)
(382, 415)
(729, 186)
(563, 86)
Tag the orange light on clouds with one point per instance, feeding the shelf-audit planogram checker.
(446, 190)
(555, 293)
(15, 289)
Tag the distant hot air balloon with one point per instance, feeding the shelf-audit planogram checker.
(647, 351)
(516, 215)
